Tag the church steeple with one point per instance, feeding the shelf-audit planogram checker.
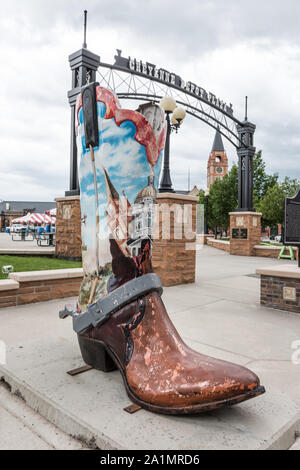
(111, 191)
(217, 165)
(218, 142)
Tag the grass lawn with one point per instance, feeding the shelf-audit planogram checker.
(35, 263)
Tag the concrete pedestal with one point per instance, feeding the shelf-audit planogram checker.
(174, 248)
(68, 228)
(245, 232)
(218, 316)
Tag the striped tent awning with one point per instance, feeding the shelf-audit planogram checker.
(20, 220)
(36, 218)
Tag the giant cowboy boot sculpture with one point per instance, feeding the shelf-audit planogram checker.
(120, 319)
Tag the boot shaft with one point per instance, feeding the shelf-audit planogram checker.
(118, 186)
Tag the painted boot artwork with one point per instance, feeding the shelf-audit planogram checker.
(120, 318)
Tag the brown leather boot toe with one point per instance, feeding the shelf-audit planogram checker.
(165, 372)
(161, 373)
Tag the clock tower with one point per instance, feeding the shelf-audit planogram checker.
(217, 164)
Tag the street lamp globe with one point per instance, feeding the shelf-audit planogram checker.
(207, 192)
(168, 104)
(174, 121)
(179, 114)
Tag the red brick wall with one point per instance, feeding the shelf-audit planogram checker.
(68, 228)
(271, 293)
(272, 253)
(172, 261)
(39, 291)
(252, 222)
(218, 244)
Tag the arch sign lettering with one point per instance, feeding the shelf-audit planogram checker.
(131, 78)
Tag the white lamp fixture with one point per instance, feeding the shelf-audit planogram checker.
(168, 104)
(179, 114)
(207, 192)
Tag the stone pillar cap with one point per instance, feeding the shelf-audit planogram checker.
(67, 198)
(284, 270)
(183, 197)
(245, 213)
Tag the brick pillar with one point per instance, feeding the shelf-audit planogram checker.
(68, 228)
(245, 232)
(174, 259)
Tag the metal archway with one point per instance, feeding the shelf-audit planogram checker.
(137, 80)
(130, 79)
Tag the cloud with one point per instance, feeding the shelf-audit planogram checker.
(230, 48)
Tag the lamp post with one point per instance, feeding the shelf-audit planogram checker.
(206, 212)
(173, 123)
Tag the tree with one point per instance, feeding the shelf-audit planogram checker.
(261, 180)
(268, 195)
(272, 204)
(222, 200)
(211, 220)
(233, 181)
(290, 186)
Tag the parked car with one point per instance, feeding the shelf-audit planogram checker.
(17, 227)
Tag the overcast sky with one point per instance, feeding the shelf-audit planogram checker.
(232, 48)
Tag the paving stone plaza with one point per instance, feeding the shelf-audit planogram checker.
(220, 315)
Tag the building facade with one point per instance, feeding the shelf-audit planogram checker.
(130, 225)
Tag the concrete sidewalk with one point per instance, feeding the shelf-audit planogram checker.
(21, 428)
(219, 315)
(10, 247)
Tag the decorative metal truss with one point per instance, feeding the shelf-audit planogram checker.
(128, 84)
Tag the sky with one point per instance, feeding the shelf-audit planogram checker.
(233, 48)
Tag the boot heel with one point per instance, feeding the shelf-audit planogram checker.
(94, 354)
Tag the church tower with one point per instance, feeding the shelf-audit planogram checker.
(217, 164)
